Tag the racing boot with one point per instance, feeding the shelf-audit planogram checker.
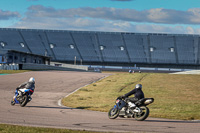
(29, 98)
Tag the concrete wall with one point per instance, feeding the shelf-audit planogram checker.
(69, 66)
(29, 66)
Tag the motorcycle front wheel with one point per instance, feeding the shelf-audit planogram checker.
(24, 100)
(113, 113)
(12, 103)
(141, 116)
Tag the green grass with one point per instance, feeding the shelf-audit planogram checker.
(5, 128)
(12, 71)
(176, 96)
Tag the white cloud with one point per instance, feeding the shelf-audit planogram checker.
(110, 19)
(5, 15)
(101, 25)
(196, 15)
(158, 15)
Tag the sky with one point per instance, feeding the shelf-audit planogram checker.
(140, 16)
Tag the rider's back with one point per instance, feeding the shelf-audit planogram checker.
(137, 92)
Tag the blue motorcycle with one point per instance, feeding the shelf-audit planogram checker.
(22, 96)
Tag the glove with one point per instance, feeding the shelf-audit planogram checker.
(17, 88)
(121, 97)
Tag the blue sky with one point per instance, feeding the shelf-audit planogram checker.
(143, 16)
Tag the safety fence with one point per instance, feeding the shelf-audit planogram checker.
(9, 67)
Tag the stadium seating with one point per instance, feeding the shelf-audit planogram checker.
(114, 49)
(104, 47)
(162, 52)
(34, 42)
(185, 49)
(87, 46)
(11, 39)
(136, 47)
(61, 42)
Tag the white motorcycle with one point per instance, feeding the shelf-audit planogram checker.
(122, 109)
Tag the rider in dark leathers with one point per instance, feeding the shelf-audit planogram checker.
(138, 95)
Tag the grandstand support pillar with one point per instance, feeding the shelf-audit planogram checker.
(45, 43)
(81, 62)
(54, 56)
(124, 42)
(75, 60)
(46, 51)
(81, 58)
(196, 50)
(95, 46)
(98, 44)
(198, 53)
(149, 44)
(24, 41)
(175, 50)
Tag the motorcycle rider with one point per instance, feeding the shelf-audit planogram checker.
(137, 91)
(27, 85)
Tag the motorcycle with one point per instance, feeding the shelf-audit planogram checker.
(22, 97)
(122, 109)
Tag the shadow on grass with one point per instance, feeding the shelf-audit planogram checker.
(83, 107)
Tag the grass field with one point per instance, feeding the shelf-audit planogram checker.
(4, 128)
(12, 71)
(176, 96)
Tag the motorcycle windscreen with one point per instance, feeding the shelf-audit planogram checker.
(121, 104)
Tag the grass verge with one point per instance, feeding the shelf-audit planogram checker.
(5, 128)
(176, 96)
(12, 71)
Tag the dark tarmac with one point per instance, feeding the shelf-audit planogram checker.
(44, 111)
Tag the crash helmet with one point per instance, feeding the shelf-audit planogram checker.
(32, 79)
(138, 86)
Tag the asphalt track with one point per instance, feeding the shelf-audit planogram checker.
(44, 111)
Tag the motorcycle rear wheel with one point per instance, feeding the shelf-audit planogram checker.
(113, 113)
(24, 100)
(142, 115)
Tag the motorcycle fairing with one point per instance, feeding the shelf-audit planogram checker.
(144, 101)
(119, 104)
(22, 90)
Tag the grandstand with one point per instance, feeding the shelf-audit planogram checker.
(106, 48)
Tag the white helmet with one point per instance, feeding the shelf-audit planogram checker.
(32, 80)
(138, 86)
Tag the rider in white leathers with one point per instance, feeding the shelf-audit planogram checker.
(30, 85)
